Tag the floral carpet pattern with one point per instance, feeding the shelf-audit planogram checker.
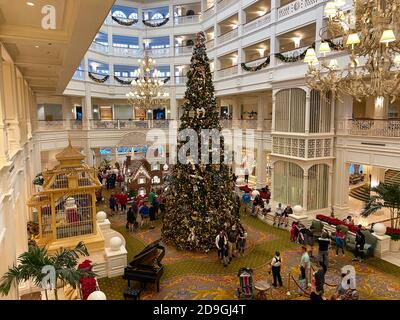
(191, 276)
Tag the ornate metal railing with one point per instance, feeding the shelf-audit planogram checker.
(187, 19)
(226, 72)
(370, 127)
(295, 7)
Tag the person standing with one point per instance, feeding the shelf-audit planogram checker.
(360, 242)
(246, 175)
(323, 250)
(112, 203)
(131, 219)
(242, 240)
(319, 278)
(151, 197)
(339, 240)
(276, 269)
(305, 264)
(144, 212)
(152, 214)
(233, 236)
(221, 242)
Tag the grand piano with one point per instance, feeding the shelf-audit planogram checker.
(146, 266)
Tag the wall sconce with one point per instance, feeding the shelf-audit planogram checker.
(94, 66)
(296, 41)
(179, 40)
(261, 52)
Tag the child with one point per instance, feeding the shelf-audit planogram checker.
(294, 231)
(339, 239)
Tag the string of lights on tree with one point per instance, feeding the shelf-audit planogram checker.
(200, 197)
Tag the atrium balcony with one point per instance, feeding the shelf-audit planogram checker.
(228, 29)
(257, 15)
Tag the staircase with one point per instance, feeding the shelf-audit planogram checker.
(392, 176)
(360, 193)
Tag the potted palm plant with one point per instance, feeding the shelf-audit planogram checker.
(30, 266)
(386, 196)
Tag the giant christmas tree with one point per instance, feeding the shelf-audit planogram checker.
(200, 198)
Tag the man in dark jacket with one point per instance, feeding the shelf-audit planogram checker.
(360, 242)
(323, 250)
(233, 236)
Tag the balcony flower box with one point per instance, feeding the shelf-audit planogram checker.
(394, 239)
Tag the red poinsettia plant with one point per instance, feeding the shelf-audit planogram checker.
(88, 284)
(336, 222)
(393, 233)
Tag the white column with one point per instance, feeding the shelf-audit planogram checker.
(305, 191)
(274, 41)
(173, 106)
(3, 127)
(261, 108)
(340, 193)
(273, 110)
(330, 185)
(261, 180)
(87, 107)
(308, 106)
(235, 112)
(66, 109)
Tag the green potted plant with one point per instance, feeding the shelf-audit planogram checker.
(30, 265)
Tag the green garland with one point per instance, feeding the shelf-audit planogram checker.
(122, 81)
(256, 68)
(157, 24)
(295, 58)
(98, 80)
(125, 23)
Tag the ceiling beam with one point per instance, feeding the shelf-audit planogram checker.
(9, 32)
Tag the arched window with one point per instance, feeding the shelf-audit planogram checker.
(119, 14)
(290, 110)
(317, 191)
(133, 16)
(288, 183)
(157, 16)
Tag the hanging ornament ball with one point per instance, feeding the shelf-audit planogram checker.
(97, 295)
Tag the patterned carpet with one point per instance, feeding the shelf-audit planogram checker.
(190, 275)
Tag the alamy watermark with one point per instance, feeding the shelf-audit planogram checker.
(49, 281)
(49, 20)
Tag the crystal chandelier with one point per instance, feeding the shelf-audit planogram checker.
(369, 36)
(147, 91)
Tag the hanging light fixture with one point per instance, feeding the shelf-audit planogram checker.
(369, 32)
(147, 90)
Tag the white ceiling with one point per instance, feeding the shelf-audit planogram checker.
(48, 58)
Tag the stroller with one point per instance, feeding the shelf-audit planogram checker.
(246, 284)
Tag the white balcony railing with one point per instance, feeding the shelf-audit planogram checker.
(128, 124)
(159, 52)
(370, 127)
(98, 47)
(225, 3)
(257, 23)
(228, 72)
(181, 80)
(46, 125)
(126, 52)
(209, 13)
(187, 19)
(228, 36)
(210, 44)
(295, 7)
(183, 50)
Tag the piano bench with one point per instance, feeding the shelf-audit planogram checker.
(132, 294)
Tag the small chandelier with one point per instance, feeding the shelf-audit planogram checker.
(147, 91)
(368, 34)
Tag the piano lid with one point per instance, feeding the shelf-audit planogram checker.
(148, 250)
